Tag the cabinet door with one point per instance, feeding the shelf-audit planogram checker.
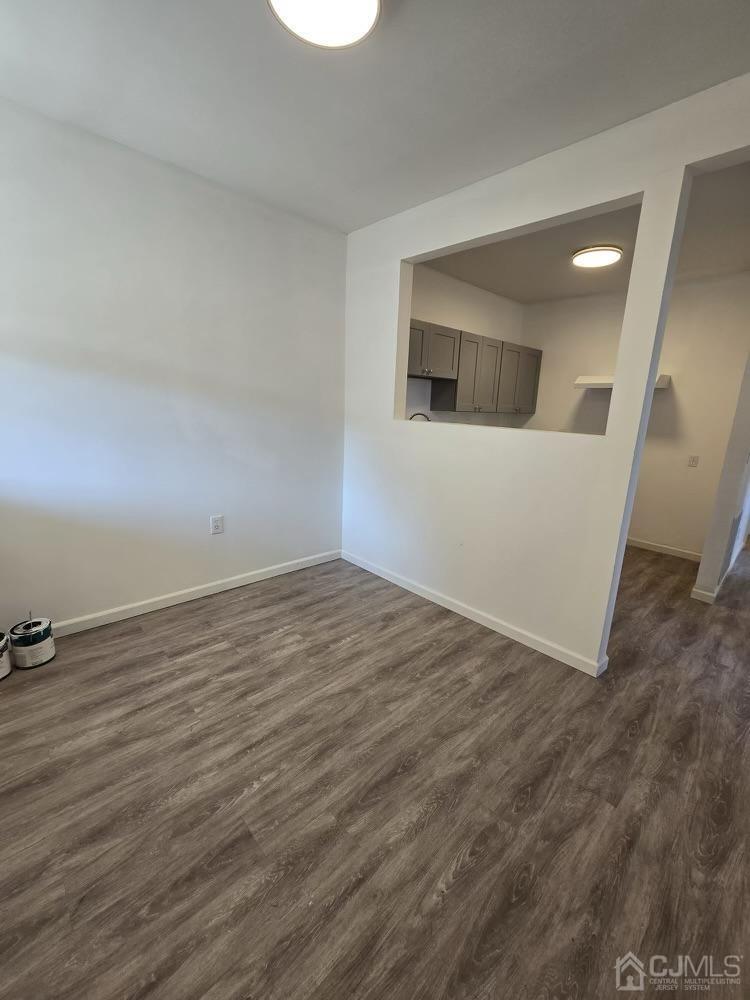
(468, 371)
(528, 380)
(485, 388)
(509, 367)
(443, 346)
(418, 334)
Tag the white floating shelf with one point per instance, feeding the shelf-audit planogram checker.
(607, 381)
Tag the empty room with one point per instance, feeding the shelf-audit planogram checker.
(375, 499)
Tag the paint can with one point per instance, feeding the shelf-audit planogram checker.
(32, 643)
(5, 667)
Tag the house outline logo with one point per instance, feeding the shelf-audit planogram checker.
(630, 974)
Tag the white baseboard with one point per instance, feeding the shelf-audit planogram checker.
(191, 594)
(668, 550)
(707, 596)
(536, 642)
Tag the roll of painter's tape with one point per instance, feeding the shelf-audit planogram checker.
(32, 643)
(4, 655)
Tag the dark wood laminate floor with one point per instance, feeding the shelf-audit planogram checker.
(321, 787)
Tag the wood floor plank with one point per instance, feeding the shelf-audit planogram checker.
(321, 787)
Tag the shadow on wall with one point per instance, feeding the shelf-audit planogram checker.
(591, 412)
(163, 366)
(665, 421)
(588, 414)
(55, 563)
(136, 455)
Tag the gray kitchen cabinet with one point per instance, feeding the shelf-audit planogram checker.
(485, 389)
(519, 379)
(509, 365)
(417, 348)
(527, 388)
(478, 373)
(443, 347)
(468, 372)
(492, 376)
(433, 350)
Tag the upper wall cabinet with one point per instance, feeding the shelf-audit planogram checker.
(519, 379)
(493, 376)
(478, 374)
(433, 350)
(418, 334)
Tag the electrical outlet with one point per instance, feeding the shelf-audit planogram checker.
(216, 523)
(693, 461)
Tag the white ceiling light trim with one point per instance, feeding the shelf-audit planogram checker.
(599, 256)
(330, 24)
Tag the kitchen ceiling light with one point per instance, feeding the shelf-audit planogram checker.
(331, 24)
(597, 256)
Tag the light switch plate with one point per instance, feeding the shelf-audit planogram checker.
(693, 461)
(216, 524)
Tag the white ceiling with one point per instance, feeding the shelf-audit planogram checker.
(443, 93)
(537, 267)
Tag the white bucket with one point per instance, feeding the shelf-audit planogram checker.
(32, 643)
(5, 666)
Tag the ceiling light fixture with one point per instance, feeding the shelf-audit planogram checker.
(597, 256)
(330, 24)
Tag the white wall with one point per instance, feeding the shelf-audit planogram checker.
(169, 350)
(440, 298)
(730, 516)
(743, 526)
(706, 344)
(579, 336)
(524, 532)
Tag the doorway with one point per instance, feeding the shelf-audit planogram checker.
(693, 497)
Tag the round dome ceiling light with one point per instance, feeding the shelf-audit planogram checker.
(597, 256)
(330, 24)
